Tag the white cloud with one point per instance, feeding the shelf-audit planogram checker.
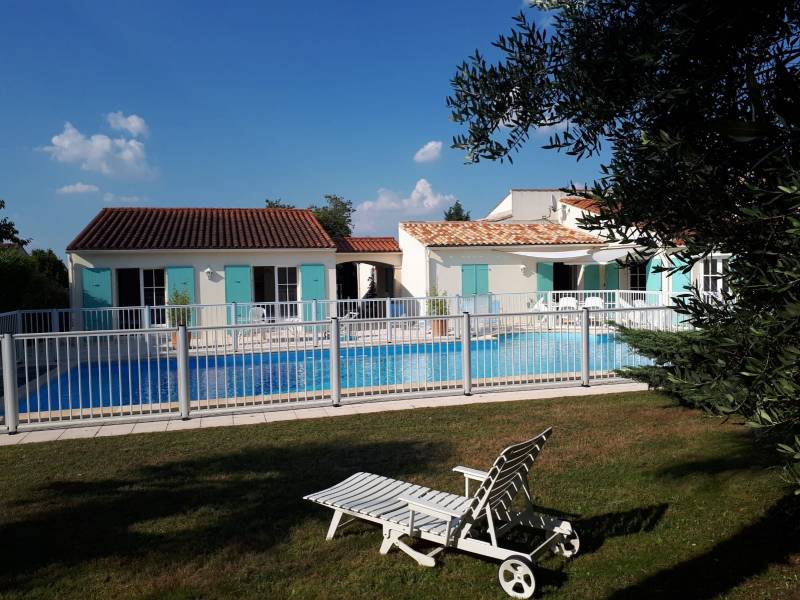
(133, 124)
(429, 152)
(114, 157)
(115, 199)
(78, 188)
(388, 208)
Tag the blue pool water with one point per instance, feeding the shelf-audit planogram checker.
(144, 382)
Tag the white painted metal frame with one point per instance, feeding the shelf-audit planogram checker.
(475, 524)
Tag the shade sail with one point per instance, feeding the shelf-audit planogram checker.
(583, 256)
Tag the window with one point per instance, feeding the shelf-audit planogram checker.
(714, 269)
(637, 277)
(154, 293)
(287, 290)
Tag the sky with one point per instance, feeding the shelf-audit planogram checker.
(225, 104)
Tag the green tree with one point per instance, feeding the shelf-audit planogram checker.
(25, 286)
(52, 267)
(8, 231)
(335, 216)
(699, 104)
(277, 203)
(456, 212)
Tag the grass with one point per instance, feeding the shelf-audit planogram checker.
(669, 504)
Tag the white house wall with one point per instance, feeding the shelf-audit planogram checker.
(414, 280)
(206, 291)
(506, 273)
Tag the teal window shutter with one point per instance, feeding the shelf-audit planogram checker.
(591, 277)
(653, 283)
(96, 285)
(312, 287)
(544, 277)
(468, 283)
(182, 280)
(612, 276)
(238, 289)
(680, 281)
(481, 279)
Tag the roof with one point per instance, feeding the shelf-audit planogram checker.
(587, 204)
(367, 244)
(487, 233)
(201, 229)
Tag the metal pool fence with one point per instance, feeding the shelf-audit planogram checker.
(51, 378)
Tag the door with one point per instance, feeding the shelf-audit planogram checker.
(680, 281)
(312, 287)
(238, 289)
(96, 294)
(129, 293)
(653, 283)
(181, 279)
(544, 277)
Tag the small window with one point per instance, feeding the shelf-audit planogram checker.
(287, 290)
(637, 277)
(714, 271)
(154, 292)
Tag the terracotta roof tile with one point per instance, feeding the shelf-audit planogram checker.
(586, 204)
(487, 233)
(367, 244)
(201, 228)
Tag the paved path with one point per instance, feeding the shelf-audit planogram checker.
(270, 416)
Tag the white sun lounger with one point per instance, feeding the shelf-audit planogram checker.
(473, 523)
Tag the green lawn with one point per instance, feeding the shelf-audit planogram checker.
(669, 504)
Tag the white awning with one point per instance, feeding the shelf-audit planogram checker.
(582, 256)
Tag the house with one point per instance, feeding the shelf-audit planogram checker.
(129, 257)
(553, 205)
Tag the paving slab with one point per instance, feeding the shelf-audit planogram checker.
(79, 433)
(150, 426)
(119, 429)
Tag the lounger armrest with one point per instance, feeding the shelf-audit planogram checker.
(431, 508)
(471, 473)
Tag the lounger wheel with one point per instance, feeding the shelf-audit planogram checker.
(516, 577)
(568, 547)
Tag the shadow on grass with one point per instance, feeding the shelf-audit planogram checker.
(594, 531)
(170, 513)
(770, 540)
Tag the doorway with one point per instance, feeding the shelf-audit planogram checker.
(565, 277)
(129, 294)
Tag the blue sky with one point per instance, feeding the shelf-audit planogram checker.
(210, 104)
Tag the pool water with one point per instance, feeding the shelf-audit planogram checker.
(121, 383)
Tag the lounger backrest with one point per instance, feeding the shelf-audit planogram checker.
(507, 475)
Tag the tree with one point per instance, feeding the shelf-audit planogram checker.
(456, 212)
(8, 231)
(277, 203)
(699, 103)
(25, 286)
(336, 216)
(52, 267)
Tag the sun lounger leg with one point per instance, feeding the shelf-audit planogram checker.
(392, 538)
(337, 517)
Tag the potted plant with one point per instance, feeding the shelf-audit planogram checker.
(437, 306)
(178, 313)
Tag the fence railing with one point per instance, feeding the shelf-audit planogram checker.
(149, 317)
(172, 372)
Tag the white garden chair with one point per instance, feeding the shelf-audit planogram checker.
(566, 303)
(454, 521)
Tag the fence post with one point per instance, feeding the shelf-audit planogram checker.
(54, 324)
(183, 371)
(585, 347)
(389, 323)
(146, 317)
(466, 354)
(10, 383)
(336, 382)
(234, 332)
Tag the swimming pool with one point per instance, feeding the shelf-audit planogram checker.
(377, 368)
